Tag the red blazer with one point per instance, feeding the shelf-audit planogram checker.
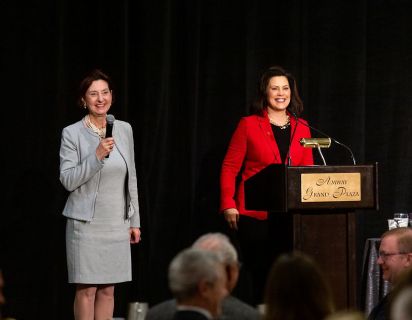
(253, 145)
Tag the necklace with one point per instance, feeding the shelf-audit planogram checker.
(281, 126)
(100, 131)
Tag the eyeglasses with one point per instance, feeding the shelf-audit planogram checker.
(385, 255)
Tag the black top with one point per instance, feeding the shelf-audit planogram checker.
(282, 137)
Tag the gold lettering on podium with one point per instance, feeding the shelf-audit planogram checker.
(330, 187)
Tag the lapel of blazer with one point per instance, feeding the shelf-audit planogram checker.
(88, 134)
(266, 128)
(293, 136)
(120, 141)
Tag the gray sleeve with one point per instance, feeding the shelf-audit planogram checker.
(75, 171)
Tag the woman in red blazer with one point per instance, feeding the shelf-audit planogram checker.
(270, 135)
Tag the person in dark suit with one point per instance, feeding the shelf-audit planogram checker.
(395, 257)
(232, 307)
(197, 281)
(271, 135)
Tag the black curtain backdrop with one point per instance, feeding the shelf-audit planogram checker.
(185, 72)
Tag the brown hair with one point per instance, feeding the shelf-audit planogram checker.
(296, 289)
(295, 105)
(85, 84)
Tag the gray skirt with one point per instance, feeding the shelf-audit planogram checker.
(98, 252)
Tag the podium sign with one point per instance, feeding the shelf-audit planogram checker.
(279, 188)
(330, 187)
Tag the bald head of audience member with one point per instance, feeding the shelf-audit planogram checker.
(395, 253)
(221, 245)
(197, 279)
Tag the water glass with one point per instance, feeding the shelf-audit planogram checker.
(137, 310)
(401, 219)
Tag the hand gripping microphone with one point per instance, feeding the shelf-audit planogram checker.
(324, 134)
(109, 126)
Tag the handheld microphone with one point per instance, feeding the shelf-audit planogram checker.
(324, 134)
(109, 126)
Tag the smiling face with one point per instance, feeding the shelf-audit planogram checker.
(98, 98)
(278, 93)
(391, 259)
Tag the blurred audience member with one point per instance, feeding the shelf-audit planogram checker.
(197, 280)
(400, 297)
(232, 308)
(401, 308)
(346, 315)
(395, 257)
(2, 298)
(296, 289)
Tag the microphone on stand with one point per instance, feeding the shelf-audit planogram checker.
(109, 127)
(288, 157)
(324, 134)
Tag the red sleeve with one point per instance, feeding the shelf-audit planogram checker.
(231, 166)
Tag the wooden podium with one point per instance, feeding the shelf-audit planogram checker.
(322, 200)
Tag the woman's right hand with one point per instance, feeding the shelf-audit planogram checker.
(232, 217)
(104, 148)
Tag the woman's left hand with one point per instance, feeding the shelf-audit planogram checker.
(134, 235)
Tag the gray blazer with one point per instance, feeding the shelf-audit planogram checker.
(80, 170)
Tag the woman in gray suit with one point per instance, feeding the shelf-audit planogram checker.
(102, 208)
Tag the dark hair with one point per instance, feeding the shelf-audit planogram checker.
(93, 75)
(296, 289)
(259, 105)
